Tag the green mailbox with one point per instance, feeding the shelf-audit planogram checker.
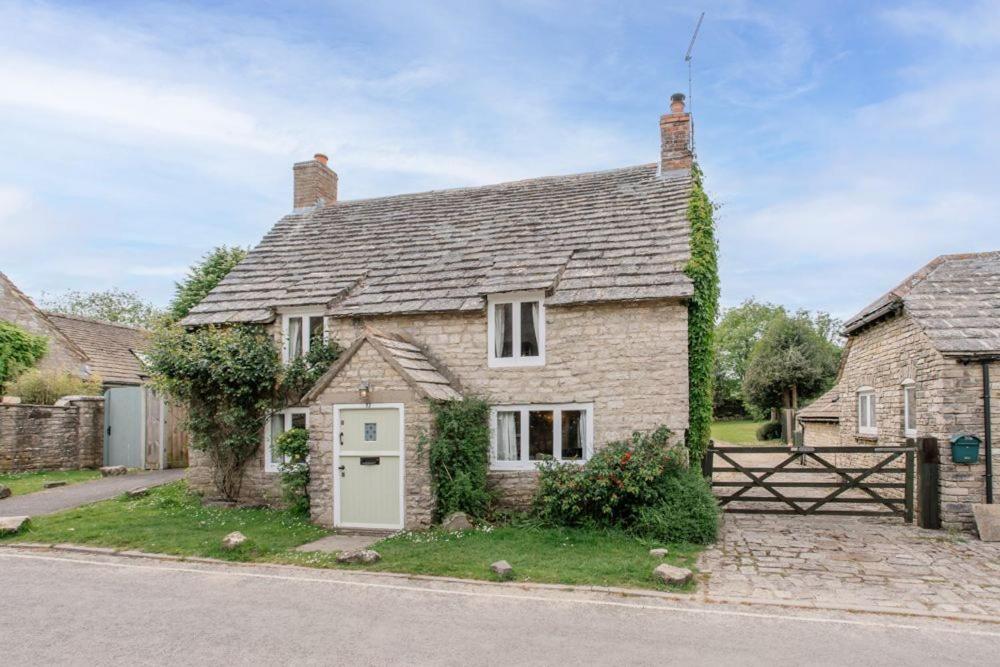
(965, 448)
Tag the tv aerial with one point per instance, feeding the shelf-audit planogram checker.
(687, 59)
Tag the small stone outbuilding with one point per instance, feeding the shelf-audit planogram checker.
(923, 360)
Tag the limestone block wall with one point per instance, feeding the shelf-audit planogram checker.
(821, 434)
(65, 436)
(15, 308)
(948, 401)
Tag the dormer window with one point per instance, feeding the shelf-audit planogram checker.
(299, 330)
(516, 324)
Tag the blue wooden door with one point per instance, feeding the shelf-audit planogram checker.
(123, 424)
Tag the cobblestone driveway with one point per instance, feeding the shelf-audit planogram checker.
(853, 561)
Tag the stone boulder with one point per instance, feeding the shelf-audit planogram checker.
(233, 540)
(659, 552)
(10, 400)
(12, 524)
(503, 570)
(138, 493)
(113, 471)
(674, 576)
(4, 492)
(364, 556)
(987, 522)
(456, 521)
(54, 484)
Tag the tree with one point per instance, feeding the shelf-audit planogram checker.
(792, 360)
(112, 305)
(735, 336)
(202, 278)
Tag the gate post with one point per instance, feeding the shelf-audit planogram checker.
(930, 488)
(707, 461)
(909, 487)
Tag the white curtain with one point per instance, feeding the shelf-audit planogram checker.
(499, 326)
(294, 337)
(277, 428)
(581, 435)
(506, 436)
(534, 322)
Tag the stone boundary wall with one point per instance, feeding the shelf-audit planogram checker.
(66, 436)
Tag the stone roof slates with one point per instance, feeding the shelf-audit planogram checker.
(444, 250)
(110, 347)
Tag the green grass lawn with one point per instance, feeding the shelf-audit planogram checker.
(736, 432)
(171, 520)
(21, 483)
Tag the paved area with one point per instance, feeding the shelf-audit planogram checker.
(342, 542)
(857, 561)
(76, 609)
(74, 495)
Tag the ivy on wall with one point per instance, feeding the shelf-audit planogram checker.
(19, 350)
(459, 456)
(703, 270)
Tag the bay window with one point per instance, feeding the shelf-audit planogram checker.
(522, 435)
(516, 329)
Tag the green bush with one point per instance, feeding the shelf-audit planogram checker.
(293, 446)
(459, 457)
(18, 350)
(45, 387)
(688, 512)
(769, 431)
(611, 488)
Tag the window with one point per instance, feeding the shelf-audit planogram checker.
(516, 329)
(866, 412)
(526, 434)
(281, 422)
(909, 409)
(299, 332)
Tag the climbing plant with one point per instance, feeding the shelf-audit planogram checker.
(232, 380)
(703, 270)
(293, 447)
(19, 350)
(459, 456)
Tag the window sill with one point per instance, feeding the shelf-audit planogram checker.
(531, 466)
(531, 362)
(866, 437)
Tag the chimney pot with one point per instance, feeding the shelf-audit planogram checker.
(315, 184)
(677, 103)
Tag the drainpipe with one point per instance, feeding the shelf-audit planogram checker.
(987, 430)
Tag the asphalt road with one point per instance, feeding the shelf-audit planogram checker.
(74, 495)
(97, 610)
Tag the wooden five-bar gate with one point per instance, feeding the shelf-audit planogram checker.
(845, 491)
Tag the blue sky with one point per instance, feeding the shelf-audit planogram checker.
(847, 143)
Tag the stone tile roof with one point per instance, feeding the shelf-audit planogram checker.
(110, 347)
(406, 357)
(954, 299)
(617, 235)
(826, 408)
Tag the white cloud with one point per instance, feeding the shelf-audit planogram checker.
(972, 24)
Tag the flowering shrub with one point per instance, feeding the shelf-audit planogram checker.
(642, 485)
(610, 488)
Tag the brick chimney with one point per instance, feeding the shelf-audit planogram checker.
(675, 137)
(315, 183)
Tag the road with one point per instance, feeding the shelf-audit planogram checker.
(75, 495)
(84, 609)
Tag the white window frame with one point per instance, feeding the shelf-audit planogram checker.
(305, 314)
(868, 394)
(515, 298)
(909, 385)
(269, 464)
(525, 463)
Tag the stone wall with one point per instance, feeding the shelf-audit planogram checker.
(259, 486)
(65, 436)
(948, 401)
(820, 434)
(15, 308)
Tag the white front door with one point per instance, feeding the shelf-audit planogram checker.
(368, 466)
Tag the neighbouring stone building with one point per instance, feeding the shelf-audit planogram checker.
(914, 366)
(561, 300)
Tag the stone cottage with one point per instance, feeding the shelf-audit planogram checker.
(922, 361)
(562, 300)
